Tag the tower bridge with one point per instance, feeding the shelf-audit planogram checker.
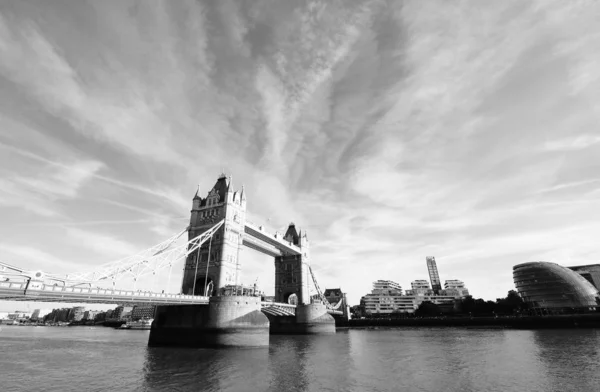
(203, 313)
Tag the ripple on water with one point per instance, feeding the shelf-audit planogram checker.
(410, 359)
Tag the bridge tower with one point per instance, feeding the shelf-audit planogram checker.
(291, 271)
(222, 202)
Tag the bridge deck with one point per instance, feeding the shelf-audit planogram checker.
(16, 291)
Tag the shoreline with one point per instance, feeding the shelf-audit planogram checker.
(524, 322)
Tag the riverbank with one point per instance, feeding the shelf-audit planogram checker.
(524, 322)
(110, 324)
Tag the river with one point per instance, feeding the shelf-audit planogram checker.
(402, 359)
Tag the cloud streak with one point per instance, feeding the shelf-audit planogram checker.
(389, 130)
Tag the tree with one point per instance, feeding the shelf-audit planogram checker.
(427, 309)
(467, 305)
(509, 305)
(356, 311)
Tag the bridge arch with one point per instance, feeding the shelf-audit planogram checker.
(291, 298)
(201, 289)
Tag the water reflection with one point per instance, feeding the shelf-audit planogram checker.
(204, 369)
(570, 358)
(449, 359)
(287, 364)
(310, 363)
(405, 359)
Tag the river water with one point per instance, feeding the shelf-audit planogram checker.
(403, 359)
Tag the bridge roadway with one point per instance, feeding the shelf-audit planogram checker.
(18, 291)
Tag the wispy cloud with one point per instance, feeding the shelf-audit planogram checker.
(31, 258)
(388, 130)
(39, 192)
(574, 143)
(103, 244)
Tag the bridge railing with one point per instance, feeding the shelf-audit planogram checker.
(279, 304)
(99, 291)
(13, 285)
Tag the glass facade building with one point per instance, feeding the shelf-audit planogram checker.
(544, 285)
(590, 272)
(434, 276)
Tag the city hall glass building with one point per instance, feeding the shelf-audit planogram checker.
(544, 285)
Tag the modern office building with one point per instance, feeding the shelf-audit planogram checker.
(90, 315)
(454, 284)
(419, 287)
(455, 287)
(544, 285)
(434, 276)
(590, 272)
(77, 313)
(386, 286)
(122, 312)
(101, 316)
(38, 314)
(385, 301)
(419, 284)
(142, 312)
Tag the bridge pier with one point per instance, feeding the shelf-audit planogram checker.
(310, 319)
(233, 321)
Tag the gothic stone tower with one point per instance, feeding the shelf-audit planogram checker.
(291, 271)
(220, 203)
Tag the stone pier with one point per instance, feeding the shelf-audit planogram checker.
(234, 321)
(309, 319)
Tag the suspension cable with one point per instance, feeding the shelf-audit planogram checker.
(207, 264)
(196, 272)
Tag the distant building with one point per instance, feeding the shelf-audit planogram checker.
(455, 288)
(434, 276)
(419, 287)
(76, 313)
(142, 311)
(122, 312)
(454, 284)
(58, 315)
(39, 314)
(19, 315)
(334, 296)
(419, 284)
(90, 315)
(101, 316)
(549, 286)
(386, 286)
(383, 300)
(590, 272)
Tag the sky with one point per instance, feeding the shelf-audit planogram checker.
(387, 130)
